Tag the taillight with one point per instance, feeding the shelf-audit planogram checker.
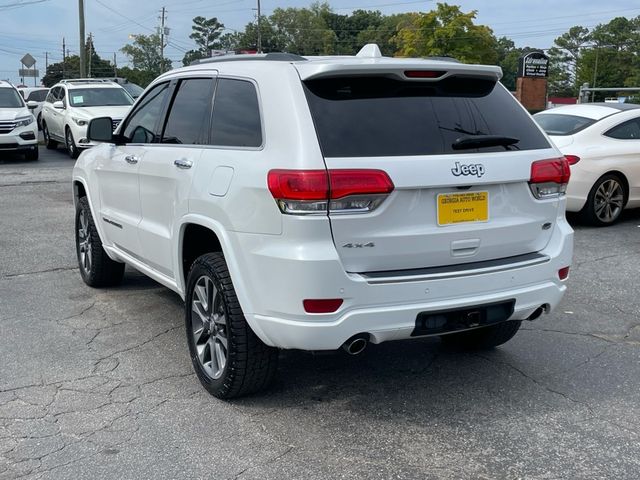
(549, 178)
(572, 159)
(563, 273)
(304, 192)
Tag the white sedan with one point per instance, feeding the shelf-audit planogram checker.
(602, 143)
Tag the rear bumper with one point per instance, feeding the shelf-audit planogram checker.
(283, 275)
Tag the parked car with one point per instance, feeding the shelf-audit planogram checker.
(602, 143)
(18, 130)
(71, 104)
(318, 202)
(34, 97)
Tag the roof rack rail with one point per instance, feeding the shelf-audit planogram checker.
(85, 80)
(274, 57)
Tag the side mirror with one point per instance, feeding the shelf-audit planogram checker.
(101, 130)
(59, 105)
(31, 105)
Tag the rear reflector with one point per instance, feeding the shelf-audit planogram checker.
(321, 191)
(322, 305)
(563, 273)
(549, 178)
(423, 73)
(572, 159)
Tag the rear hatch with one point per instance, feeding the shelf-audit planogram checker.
(455, 200)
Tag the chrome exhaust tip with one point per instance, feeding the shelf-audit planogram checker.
(356, 344)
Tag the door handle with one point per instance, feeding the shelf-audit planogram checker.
(183, 163)
(131, 159)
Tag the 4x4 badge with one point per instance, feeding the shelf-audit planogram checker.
(359, 245)
(476, 169)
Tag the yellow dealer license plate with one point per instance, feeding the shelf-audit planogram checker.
(463, 207)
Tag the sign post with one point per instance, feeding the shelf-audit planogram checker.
(28, 61)
(531, 84)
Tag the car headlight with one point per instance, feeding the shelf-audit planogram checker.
(81, 122)
(24, 121)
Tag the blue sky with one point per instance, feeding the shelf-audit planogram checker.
(39, 27)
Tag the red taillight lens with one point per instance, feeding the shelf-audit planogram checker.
(343, 183)
(298, 184)
(572, 159)
(563, 273)
(423, 73)
(549, 178)
(304, 192)
(322, 305)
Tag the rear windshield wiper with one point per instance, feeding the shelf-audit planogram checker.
(479, 141)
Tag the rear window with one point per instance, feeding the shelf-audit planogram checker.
(37, 96)
(379, 116)
(560, 124)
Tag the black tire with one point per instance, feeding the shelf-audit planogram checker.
(32, 155)
(72, 149)
(599, 203)
(483, 338)
(49, 143)
(96, 268)
(250, 365)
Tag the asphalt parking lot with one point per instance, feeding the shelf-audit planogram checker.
(98, 383)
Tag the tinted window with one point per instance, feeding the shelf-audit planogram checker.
(629, 130)
(37, 96)
(140, 126)
(375, 116)
(10, 98)
(134, 90)
(189, 111)
(558, 124)
(236, 115)
(98, 97)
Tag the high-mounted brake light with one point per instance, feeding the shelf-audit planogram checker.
(549, 178)
(423, 73)
(572, 159)
(304, 192)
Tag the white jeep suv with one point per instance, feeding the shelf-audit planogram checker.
(71, 104)
(18, 129)
(318, 202)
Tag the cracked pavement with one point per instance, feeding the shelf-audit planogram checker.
(98, 383)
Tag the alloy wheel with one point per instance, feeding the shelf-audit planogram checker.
(84, 242)
(209, 327)
(608, 200)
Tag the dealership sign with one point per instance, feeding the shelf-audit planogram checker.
(533, 64)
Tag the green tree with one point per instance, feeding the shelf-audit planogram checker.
(144, 54)
(447, 31)
(564, 60)
(303, 31)
(384, 34)
(205, 33)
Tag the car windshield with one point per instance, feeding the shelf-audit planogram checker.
(99, 97)
(38, 95)
(560, 124)
(10, 98)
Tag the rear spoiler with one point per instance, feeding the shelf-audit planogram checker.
(398, 68)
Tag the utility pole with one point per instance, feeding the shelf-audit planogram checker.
(64, 58)
(259, 32)
(88, 63)
(115, 65)
(46, 61)
(162, 40)
(82, 46)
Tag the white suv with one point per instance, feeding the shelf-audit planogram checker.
(18, 129)
(313, 203)
(71, 104)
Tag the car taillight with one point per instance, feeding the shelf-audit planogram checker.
(563, 273)
(549, 178)
(572, 159)
(305, 192)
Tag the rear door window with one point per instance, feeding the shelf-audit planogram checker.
(379, 116)
(629, 130)
(236, 115)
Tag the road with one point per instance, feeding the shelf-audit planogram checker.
(98, 383)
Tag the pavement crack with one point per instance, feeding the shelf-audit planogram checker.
(49, 270)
